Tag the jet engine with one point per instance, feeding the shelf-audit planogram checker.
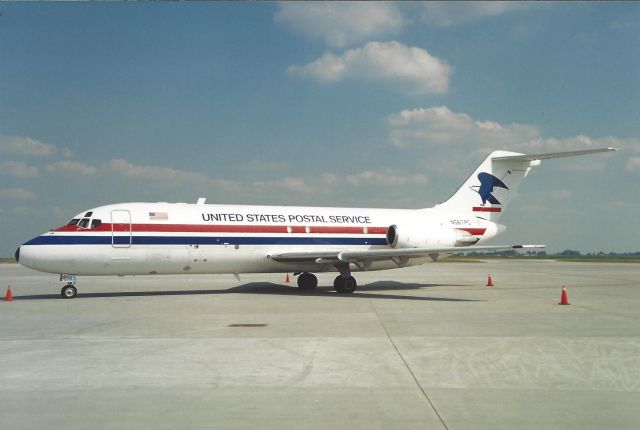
(427, 235)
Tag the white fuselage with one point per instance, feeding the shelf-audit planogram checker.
(165, 238)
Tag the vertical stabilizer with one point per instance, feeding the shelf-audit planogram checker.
(491, 186)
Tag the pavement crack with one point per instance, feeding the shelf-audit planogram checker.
(415, 379)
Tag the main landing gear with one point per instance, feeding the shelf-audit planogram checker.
(307, 281)
(69, 291)
(344, 282)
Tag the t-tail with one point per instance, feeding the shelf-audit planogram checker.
(489, 189)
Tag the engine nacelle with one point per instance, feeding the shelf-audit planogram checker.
(423, 235)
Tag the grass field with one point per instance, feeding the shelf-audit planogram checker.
(576, 259)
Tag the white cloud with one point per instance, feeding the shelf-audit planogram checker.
(262, 166)
(225, 185)
(18, 169)
(67, 153)
(384, 177)
(287, 183)
(441, 126)
(633, 164)
(25, 146)
(411, 68)
(58, 212)
(561, 195)
(446, 14)
(340, 24)
(331, 179)
(16, 194)
(327, 181)
(167, 176)
(154, 173)
(72, 168)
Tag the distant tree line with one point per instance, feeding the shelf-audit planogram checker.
(565, 253)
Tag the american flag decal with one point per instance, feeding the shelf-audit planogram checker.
(158, 216)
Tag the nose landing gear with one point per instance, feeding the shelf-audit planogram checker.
(69, 291)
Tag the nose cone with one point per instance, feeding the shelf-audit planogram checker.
(18, 254)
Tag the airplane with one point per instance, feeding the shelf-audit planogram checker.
(179, 238)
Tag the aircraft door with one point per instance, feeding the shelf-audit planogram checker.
(120, 228)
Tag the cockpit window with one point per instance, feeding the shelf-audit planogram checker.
(84, 223)
(88, 214)
(96, 223)
(74, 221)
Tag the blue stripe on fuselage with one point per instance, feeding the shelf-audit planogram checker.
(206, 240)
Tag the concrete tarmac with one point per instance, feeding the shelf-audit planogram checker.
(424, 347)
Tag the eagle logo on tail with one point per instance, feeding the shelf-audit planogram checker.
(487, 183)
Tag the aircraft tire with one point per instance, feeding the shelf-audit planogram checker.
(345, 285)
(68, 292)
(307, 281)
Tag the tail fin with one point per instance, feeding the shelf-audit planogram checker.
(491, 186)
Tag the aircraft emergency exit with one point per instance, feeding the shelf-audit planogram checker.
(179, 238)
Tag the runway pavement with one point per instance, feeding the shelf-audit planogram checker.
(425, 347)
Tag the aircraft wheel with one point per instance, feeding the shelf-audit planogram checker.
(346, 284)
(307, 281)
(69, 292)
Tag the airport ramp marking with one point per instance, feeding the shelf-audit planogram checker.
(415, 379)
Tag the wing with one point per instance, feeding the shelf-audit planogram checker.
(335, 257)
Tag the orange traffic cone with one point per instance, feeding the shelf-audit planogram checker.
(287, 280)
(9, 295)
(489, 282)
(564, 300)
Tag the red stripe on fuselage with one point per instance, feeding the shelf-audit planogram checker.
(195, 228)
(486, 209)
(474, 231)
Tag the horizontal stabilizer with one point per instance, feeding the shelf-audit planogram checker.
(547, 155)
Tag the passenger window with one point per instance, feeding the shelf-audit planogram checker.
(84, 223)
(74, 221)
(96, 223)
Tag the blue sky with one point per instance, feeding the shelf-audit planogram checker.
(338, 104)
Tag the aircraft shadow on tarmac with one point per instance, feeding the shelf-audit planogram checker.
(367, 291)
